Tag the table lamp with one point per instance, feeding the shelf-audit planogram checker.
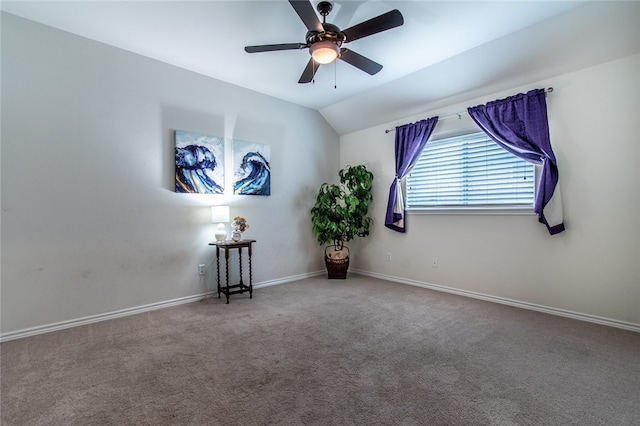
(220, 214)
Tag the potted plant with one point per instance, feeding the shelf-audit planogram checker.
(340, 214)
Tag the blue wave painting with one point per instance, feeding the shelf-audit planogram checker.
(252, 171)
(199, 163)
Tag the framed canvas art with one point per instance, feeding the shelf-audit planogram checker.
(251, 168)
(199, 163)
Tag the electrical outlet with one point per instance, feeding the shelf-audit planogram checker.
(201, 269)
(434, 262)
(388, 256)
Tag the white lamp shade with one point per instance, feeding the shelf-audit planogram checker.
(219, 214)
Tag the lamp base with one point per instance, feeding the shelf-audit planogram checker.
(221, 233)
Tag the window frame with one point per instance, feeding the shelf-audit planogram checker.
(472, 209)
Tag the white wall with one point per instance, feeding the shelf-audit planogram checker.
(90, 222)
(593, 268)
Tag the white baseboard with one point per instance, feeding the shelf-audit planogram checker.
(27, 332)
(288, 279)
(502, 300)
(47, 328)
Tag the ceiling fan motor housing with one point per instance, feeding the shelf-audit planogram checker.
(331, 32)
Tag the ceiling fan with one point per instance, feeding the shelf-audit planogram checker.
(325, 40)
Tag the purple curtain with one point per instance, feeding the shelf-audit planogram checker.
(410, 141)
(519, 125)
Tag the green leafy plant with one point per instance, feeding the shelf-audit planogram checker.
(340, 210)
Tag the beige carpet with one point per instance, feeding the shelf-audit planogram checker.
(326, 352)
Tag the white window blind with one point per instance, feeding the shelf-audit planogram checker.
(469, 171)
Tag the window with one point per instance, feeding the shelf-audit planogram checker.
(469, 172)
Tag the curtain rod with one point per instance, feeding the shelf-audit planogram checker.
(459, 114)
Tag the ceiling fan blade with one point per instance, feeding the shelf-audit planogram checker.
(309, 71)
(359, 61)
(305, 11)
(384, 22)
(274, 47)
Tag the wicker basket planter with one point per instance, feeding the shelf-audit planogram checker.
(336, 262)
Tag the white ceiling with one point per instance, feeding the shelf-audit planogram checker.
(443, 50)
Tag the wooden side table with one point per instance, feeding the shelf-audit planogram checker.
(240, 287)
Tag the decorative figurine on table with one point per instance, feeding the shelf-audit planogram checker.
(239, 225)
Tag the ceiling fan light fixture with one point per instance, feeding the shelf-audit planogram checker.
(324, 52)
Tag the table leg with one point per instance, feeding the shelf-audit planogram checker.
(226, 260)
(218, 269)
(250, 278)
(240, 260)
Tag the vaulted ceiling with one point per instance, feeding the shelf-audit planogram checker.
(443, 51)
